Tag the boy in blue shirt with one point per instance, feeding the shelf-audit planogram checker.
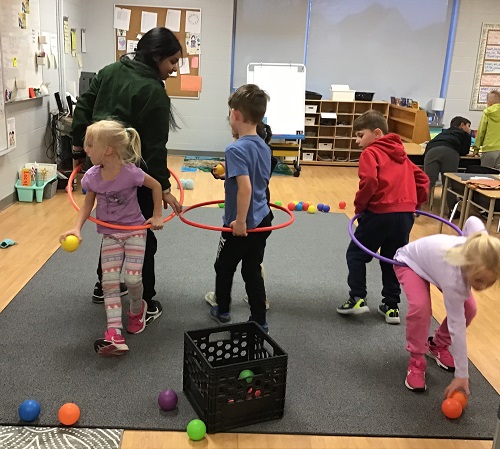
(248, 168)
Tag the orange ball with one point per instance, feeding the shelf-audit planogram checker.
(460, 397)
(451, 408)
(69, 414)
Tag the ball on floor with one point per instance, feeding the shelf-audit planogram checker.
(342, 205)
(29, 410)
(320, 207)
(69, 414)
(291, 206)
(167, 400)
(311, 209)
(196, 429)
(189, 184)
(451, 408)
(326, 208)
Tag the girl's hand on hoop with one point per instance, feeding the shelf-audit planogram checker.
(156, 223)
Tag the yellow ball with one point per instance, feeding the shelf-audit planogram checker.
(311, 209)
(295, 202)
(219, 169)
(70, 243)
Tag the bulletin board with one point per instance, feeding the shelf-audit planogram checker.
(286, 86)
(190, 42)
(487, 75)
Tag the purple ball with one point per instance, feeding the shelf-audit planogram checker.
(320, 207)
(167, 400)
(326, 208)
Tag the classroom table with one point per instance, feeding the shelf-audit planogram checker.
(456, 183)
(483, 199)
(415, 153)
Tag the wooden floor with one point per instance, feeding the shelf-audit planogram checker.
(36, 227)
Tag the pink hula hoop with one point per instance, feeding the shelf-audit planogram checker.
(116, 226)
(223, 229)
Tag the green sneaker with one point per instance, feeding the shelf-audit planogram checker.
(391, 315)
(353, 306)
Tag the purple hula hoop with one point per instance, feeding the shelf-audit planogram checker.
(392, 261)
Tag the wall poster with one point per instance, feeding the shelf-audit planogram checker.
(487, 74)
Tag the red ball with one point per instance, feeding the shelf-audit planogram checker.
(342, 205)
(291, 206)
(451, 408)
(305, 206)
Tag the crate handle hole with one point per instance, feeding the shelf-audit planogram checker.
(219, 336)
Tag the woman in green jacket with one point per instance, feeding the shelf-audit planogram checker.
(133, 92)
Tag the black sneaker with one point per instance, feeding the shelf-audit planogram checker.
(153, 314)
(98, 296)
(391, 314)
(353, 306)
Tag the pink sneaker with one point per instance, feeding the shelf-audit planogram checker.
(441, 355)
(112, 344)
(415, 379)
(137, 323)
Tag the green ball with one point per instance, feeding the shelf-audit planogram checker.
(221, 205)
(196, 429)
(278, 203)
(247, 374)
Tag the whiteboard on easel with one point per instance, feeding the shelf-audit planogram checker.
(286, 86)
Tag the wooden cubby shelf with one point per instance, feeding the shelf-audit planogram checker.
(331, 141)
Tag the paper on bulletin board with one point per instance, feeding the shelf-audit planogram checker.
(191, 83)
(184, 66)
(131, 46)
(193, 41)
(67, 37)
(148, 21)
(173, 20)
(121, 43)
(122, 18)
(195, 61)
(193, 22)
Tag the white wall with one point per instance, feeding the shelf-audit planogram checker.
(203, 122)
(471, 16)
(31, 121)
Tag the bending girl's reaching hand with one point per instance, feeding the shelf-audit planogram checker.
(458, 383)
(74, 231)
(156, 223)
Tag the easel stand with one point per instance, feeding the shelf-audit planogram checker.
(288, 145)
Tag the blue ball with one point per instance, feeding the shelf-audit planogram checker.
(326, 208)
(84, 191)
(320, 206)
(298, 207)
(29, 410)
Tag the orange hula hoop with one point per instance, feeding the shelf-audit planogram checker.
(223, 229)
(117, 226)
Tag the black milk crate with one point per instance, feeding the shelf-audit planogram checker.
(213, 361)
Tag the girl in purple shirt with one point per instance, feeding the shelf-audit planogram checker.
(113, 180)
(454, 264)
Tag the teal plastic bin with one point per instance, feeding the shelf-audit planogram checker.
(26, 193)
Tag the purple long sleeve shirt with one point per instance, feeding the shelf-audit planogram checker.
(426, 257)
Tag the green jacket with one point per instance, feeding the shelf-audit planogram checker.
(488, 133)
(132, 93)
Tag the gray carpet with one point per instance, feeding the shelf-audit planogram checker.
(345, 374)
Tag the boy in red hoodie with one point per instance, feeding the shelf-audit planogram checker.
(391, 188)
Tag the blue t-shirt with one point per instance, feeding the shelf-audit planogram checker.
(117, 198)
(249, 156)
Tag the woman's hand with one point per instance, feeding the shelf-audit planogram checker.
(458, 383)
(171, 200)
(74, 231)
(156, 223)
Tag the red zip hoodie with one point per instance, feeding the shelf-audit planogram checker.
(389, 181)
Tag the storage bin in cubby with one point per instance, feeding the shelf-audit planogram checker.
(213, 361)
(26, 193)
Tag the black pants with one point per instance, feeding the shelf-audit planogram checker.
(250, 251)
(145, 198)
(441, 160)
(386, 232)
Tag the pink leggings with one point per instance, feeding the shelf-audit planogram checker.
(418, 317)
